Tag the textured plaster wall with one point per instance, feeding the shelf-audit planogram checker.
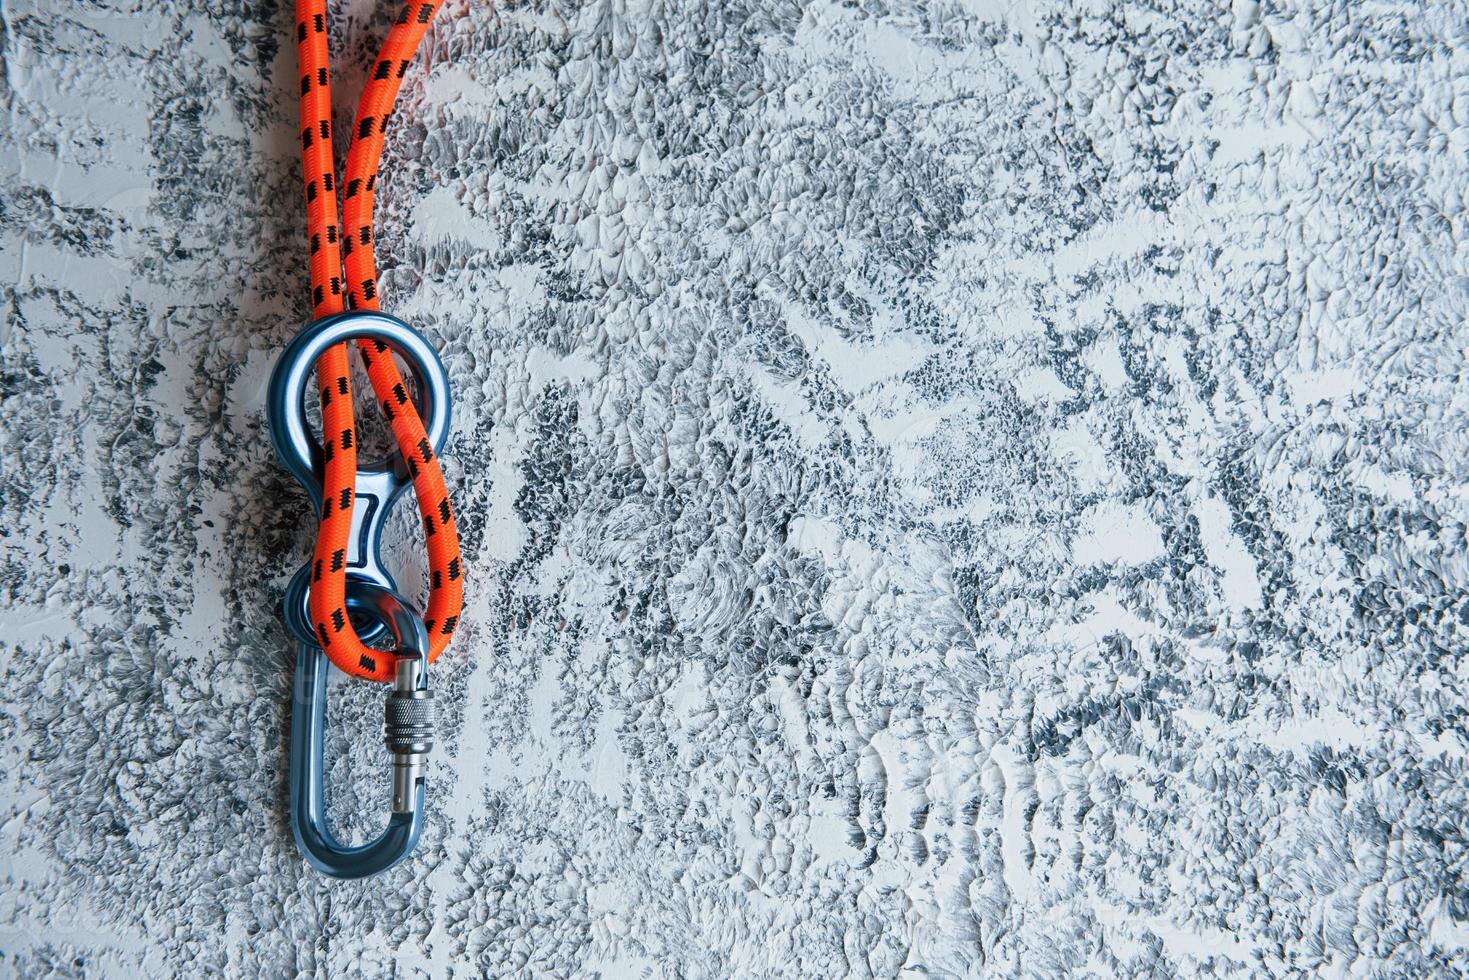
(949, 490)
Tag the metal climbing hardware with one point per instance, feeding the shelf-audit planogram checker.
(373, 602)
(407, 730)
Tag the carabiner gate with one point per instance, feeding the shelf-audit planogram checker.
(372, 600)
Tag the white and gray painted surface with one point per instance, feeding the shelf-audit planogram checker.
(948, 489)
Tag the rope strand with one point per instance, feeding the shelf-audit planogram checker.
(339, 442)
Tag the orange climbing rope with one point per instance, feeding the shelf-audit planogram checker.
(328, 245)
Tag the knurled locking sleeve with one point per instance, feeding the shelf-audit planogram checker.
(408, 722)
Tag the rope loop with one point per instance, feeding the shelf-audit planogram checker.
(328, 614)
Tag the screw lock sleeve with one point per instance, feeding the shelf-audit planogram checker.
(408, 722)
